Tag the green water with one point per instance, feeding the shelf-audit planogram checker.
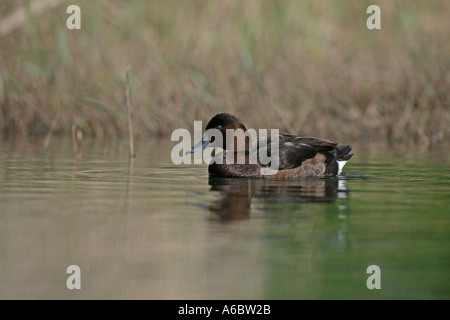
(152, 230)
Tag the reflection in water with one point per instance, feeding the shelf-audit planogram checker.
(129, 184)
(237, 193)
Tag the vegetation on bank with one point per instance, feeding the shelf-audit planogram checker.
(309, 67)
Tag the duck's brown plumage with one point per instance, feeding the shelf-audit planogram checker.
(299, 157)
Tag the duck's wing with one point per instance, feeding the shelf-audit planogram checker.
(292, 155)
(318, 143)
(293, 150)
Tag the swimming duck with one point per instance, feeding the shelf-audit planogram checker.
(298, 157)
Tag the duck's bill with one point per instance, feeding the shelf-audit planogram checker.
(202, 144)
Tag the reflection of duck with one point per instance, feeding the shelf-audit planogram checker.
(237, 193)
(297, 156)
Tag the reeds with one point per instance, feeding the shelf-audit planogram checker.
(310, 67)
(128, 110)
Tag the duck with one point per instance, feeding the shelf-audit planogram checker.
(297, 156)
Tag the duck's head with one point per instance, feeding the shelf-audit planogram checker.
(222, 122)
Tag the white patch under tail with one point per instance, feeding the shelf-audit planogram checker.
(341, 165)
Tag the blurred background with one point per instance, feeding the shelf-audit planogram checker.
(306, 67)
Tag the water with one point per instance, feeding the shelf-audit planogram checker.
(153, 230)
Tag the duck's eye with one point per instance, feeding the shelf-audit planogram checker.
(219, 127)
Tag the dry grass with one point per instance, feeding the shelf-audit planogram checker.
(310, 67)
